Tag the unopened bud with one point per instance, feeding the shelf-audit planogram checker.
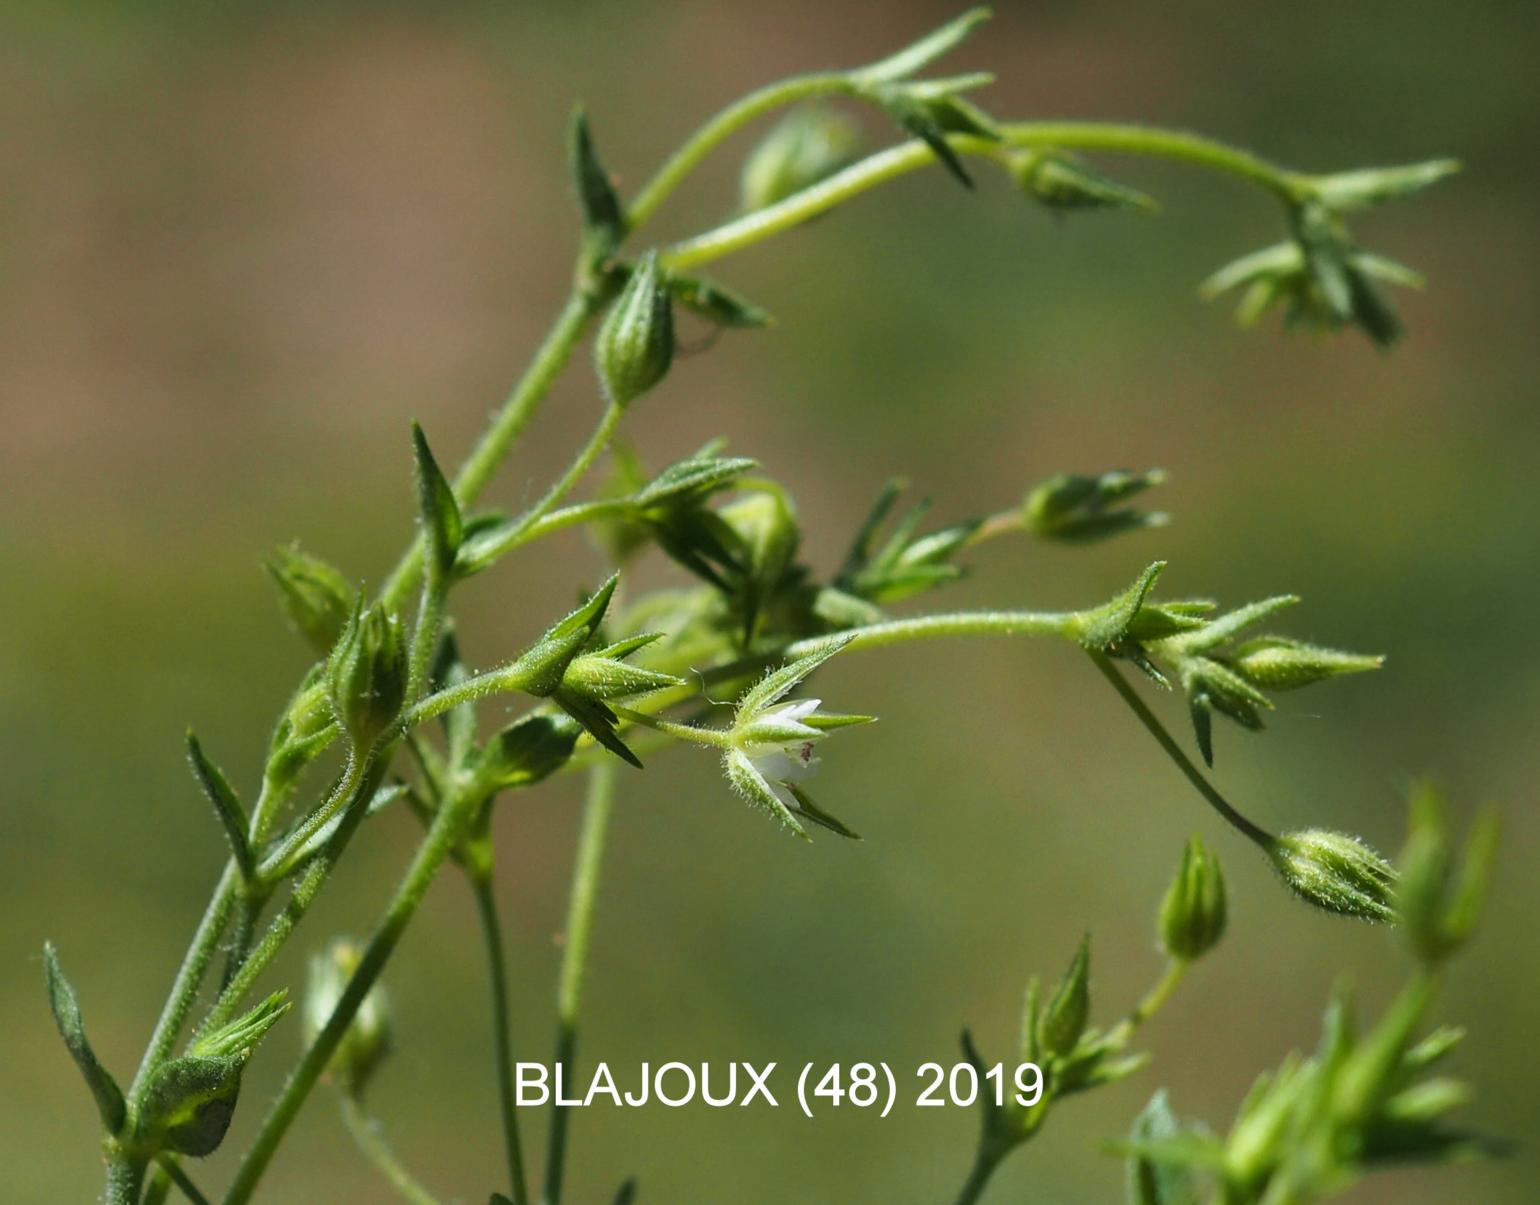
(316, 598)
(367, 1039)
(366, 675)
(1278, 663)
(1192, 915)
(810, 144)
(1065, 1017)
(635, 345)
(1336, 872)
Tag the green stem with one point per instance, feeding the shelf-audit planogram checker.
(158, 1189)
(716, 131)
(1152, 1002)
(480, 875)
(366, 1134)
(189, 977)
(523, 529)
(125, 1176)
(956, 623)
(557, 348)
(278, 863)
(171, 1167)
(445, 831)
(984, 1164)
(587, 867)
(1166, 741)
(300, 899)
(896, 161)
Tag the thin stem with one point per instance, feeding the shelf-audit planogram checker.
(1164, 739)
(300, 899)
(557, 348)
(172, 1167)
(505, 680)
(125, 1176)
(726, 123)
(158, 1189)
(1152, 1001)
(480, 876)
(280, 861)
(716, 738)
(896, 161)
(520, 530)
(985, 1161)
(366, 1134)
(956, 623)
(184, 990)
(445, 831)
(587, 867)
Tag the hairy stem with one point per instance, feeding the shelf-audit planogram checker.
(587, 866)
(447, 828)
(480, 875)
(366, 1135)
(171, 1167)
(1166, 741)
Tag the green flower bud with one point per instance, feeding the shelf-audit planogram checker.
(366, 675)
(1192, 914)
(605, 674)
(1336, 872)
(316, 598)
(635, 345)
(809, 144)
(1065, 1017)
(367, 1039)
(526, 752)
(1062, 182)
(1079, 508)
(1439, 902)
(189, 1101)
(1278, 663)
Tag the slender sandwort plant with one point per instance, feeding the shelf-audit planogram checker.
(621, 677)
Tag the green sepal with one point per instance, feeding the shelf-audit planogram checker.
(603, 675)
(542, 666)
(598, 721)
(1103, 628)
(526, 752)
(745, 778)
(692, 480)
(817, 815)
(1064, 1019)
(1065, 183)
(1149, 1182)
(66, 1015)
(443, 527)
(227, 806)
(315, 597)
(1369, 186)
(604, 221)
(775, 685)
(921, 53)
(1083, 508)
(717, 304)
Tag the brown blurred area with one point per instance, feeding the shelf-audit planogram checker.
(242, 246)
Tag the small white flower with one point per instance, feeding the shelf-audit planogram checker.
(787, 754)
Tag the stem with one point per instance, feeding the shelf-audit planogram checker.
(1152, 1001)
(715, 738)
(371, 1142)
(557, 348)
(1218, 802)
(956, 623)
(480, 875)
(587, 865)
(896, 161)
(716, 131)
(443, 834)
(523, 528)
(184, 990)
(346, 794)
(984, 1164)
(173, 1170)
(125, 1176)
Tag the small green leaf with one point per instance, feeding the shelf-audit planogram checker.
(443, 528)
(717, 304)
(775, 685)
(924, 51)
(232, 817)
(603, 215)
(66, 1015)
(1105, 626)
(1149, 1182)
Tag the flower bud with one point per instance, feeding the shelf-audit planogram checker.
(1063, 183)
(367, 1039)
(1336, 872)
(1278, 663)
(1192, 914)
(315, 597)
(809, 144)
(635, 345)
(366, 675)
(1065, 1017)
(1439, 899)
(526, 752)
(1075, 507)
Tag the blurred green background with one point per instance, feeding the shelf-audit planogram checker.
(241, 246)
